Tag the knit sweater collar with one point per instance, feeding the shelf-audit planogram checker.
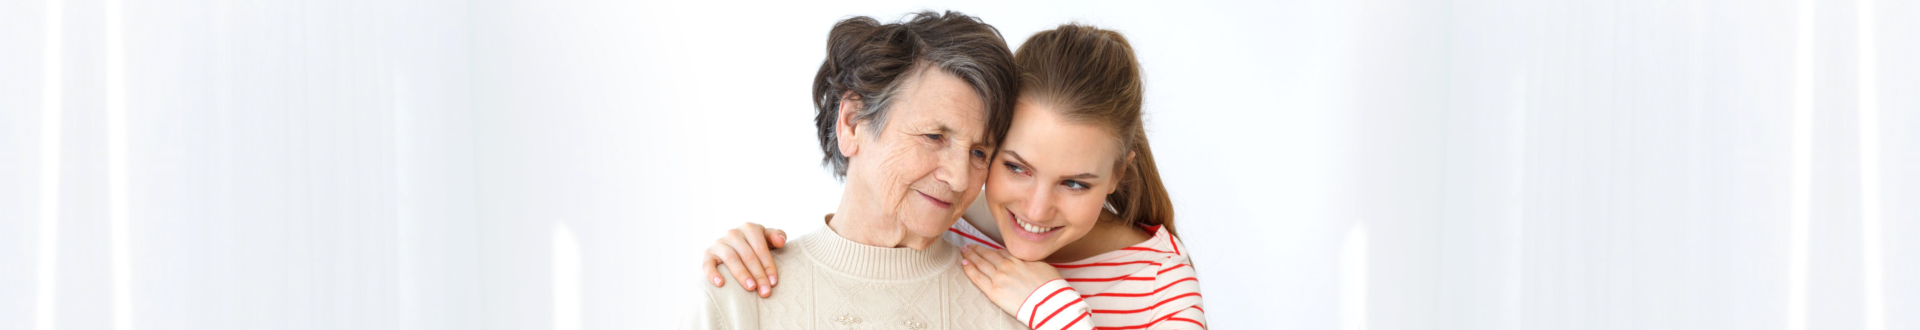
(839, 254)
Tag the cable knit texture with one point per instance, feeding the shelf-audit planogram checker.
(829, 282)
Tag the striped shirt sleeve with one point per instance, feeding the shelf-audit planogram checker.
(1055, 306)
(1174, 304)
(1177, 305)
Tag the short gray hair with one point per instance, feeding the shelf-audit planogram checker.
(871, 60)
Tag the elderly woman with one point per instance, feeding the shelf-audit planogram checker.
(907, 113)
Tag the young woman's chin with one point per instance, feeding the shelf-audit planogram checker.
(1029, 252)
(1021, 243)
(1028, 248)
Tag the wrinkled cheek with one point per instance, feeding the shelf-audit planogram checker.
(980, 178)
(894, 168)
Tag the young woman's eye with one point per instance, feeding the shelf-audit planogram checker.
(1075, 185)
(1015, 168)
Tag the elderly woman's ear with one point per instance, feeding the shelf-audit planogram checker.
(845, 128)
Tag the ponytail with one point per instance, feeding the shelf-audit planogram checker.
(1142, 199)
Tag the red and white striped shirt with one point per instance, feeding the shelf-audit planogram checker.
(1150, 285)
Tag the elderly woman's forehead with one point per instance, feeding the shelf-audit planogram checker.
(948, 119)
(943, 97)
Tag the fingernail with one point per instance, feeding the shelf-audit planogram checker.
(716, 281)
(773, 280)
(763, 291)
(965, 262)
(749, 284)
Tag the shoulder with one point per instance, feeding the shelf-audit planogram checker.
(732, 307)
(725, 307)
(966, 307)
(1176, 276)
(1177, 262)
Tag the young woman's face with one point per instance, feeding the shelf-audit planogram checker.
(1050, 180)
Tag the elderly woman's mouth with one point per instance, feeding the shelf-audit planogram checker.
(936, 201)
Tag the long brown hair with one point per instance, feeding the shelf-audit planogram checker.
(1090, 75)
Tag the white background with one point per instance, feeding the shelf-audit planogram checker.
(1388, 164)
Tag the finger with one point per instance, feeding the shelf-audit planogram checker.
(711, 264)
(757, 235)
(979, 279)
(732, 260)
(976, 259)
(1009, 256)
(739, 241)
(1012, 264)
(776, 237)
(994, 258)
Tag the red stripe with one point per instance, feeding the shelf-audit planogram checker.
(1157, 305)
(1148, 324)
(1175, 245)
(1198, 309)
(1076, 320)
(1142, 248)
(1169, 269)
(1110, 279)
(1202, 326)
(1043, 302)
(976, 239)
(1108, 264)
(1055, 312)
(1142, 294)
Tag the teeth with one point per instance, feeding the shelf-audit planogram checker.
(1032, 228)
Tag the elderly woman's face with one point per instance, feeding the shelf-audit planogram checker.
(930, 160)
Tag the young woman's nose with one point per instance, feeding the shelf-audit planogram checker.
(1040, 203)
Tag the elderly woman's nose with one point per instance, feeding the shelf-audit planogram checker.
(957, 169)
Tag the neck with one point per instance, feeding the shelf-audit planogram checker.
(860, 221)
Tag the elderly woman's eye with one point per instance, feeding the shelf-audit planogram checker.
(935, 137)
(977, 153)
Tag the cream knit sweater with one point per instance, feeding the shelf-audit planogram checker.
(829, 282)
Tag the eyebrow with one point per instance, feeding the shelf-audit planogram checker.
(943, 129)
(1023, 160)
(1083, 176)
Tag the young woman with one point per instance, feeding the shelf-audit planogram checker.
(1082, 229)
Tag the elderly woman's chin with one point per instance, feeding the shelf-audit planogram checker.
(930, 219)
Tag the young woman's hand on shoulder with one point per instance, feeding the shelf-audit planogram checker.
(1006, 281)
